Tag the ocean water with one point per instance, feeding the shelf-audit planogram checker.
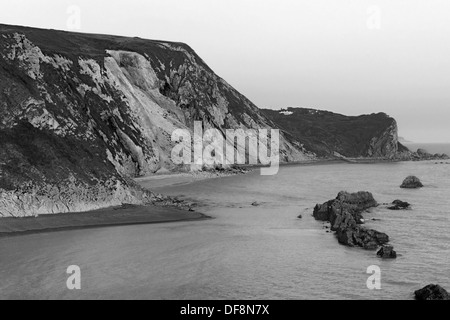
(249, 252)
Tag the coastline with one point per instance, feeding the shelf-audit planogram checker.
(109, 217)
(115, 216)
(142, 214)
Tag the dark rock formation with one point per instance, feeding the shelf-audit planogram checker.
(345, 215)
(387, 252)
(411, 182)
(399, 205)
(420, 155)
(432, 292)
(327, 134)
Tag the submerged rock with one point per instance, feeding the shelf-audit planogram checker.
(432, 292)
(387, 252)
(399, 205)
(411, 182)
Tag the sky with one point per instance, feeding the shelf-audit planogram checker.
(347, 56)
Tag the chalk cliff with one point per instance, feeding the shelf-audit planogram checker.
(81, 113)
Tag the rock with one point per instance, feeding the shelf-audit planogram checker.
(321, 212)
(358, 236)
(432, 292)
(300, 217)
(255, 204)
(399, 205)
(387, 252)
(344, 214)
(422, 152)
(411, 182)
(354, 203)
(361, 200)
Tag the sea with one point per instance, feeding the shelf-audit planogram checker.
(247, 251)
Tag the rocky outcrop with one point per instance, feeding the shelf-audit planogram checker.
(94, 110)
(420, 155)
(387, 252)
(432, 292)
(399, 205)
(345, 216)
(334, 135)
(411, 182)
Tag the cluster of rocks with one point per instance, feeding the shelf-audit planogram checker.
(345, 216)
(432, 292)
(422, 154)
(399, 205)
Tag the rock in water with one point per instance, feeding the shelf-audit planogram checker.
(432, 292)
(345, 215)
(361, 200)
(399, 205)
(411, 182)
(387, 252)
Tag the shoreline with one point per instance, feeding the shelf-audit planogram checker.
(143, 214)
(110, 217)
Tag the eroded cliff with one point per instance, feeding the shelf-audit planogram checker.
(81, 113)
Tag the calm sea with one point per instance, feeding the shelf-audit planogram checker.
(249, 252)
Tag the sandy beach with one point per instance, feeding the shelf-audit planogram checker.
(109, 217)
(114, 216)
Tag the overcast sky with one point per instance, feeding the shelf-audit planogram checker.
(345, 56)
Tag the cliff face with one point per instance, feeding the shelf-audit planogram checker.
(326, 133)
(385, 144)
(80, 113)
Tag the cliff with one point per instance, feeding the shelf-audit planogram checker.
(82, 113)
(326, 133)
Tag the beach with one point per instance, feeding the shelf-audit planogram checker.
(109, 217)
(115, 216)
